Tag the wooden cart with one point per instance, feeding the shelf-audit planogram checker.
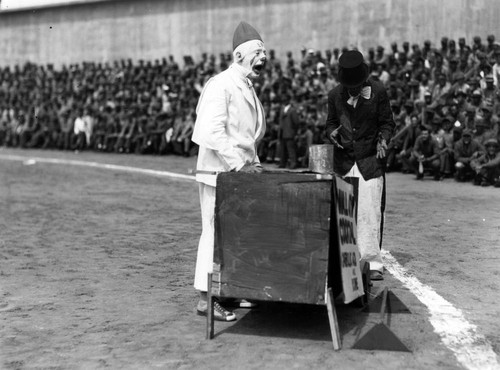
(276, 240)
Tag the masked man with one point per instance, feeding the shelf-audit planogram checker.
(360, 125)
(230, 121)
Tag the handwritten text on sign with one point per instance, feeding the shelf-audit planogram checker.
(349, 253)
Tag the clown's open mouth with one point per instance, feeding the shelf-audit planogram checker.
(257, 68)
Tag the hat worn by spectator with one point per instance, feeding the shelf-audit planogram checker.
(353, 71)
(480, 55)
(481, 123)
(476, 93)
(489, 78)
(486, 107)
(436, 121)
(467, 132)
(447, 118)
(244, 33)
(491, 142)
(473, 80)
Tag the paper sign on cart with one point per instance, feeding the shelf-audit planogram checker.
(345, 211)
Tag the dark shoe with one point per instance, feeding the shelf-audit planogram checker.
(419, 177)
(497, 184)
(485, 183)
(376, 275)
(220, 313)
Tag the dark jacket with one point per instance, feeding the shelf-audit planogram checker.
(361, 128)
(289, 123)
(464, 152)
(428, 148)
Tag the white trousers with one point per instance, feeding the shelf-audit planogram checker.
(205, 258)
(369, 218)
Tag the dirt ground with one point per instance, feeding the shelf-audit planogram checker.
(96, 271)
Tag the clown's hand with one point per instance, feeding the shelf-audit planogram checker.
(333, 137)
(381, 148)
(252, 168)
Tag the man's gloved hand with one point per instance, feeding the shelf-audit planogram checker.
(381, 148)
(333, 137)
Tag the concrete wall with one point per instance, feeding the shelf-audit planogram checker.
(150, 29)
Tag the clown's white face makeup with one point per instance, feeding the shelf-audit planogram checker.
(254, 60)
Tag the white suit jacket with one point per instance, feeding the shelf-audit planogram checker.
(230, 121)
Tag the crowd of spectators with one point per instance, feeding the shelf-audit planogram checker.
(445, 98)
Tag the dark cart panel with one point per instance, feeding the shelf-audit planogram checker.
(272, 236)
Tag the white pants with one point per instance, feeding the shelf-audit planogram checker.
(369, 218)
(204, 260)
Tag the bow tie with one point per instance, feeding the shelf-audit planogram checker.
(365, 94)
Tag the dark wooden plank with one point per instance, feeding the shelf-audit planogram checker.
(334, 324)
(210, 309)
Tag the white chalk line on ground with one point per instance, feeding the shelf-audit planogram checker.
(471, 349)
(33, 160)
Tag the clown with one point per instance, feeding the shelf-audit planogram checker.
(230, 121)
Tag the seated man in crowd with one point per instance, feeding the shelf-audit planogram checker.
(183, 130)
(82, 129)
(66, 136)
(99, 131)
(304, 142)
(127, 124)
(465, 150)
(445, 141)
(12, 128)
(483, 131)
(112, 130)
(410, 137)
(487, 166)
(425, 156)
(4, 126)
(395, 147)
